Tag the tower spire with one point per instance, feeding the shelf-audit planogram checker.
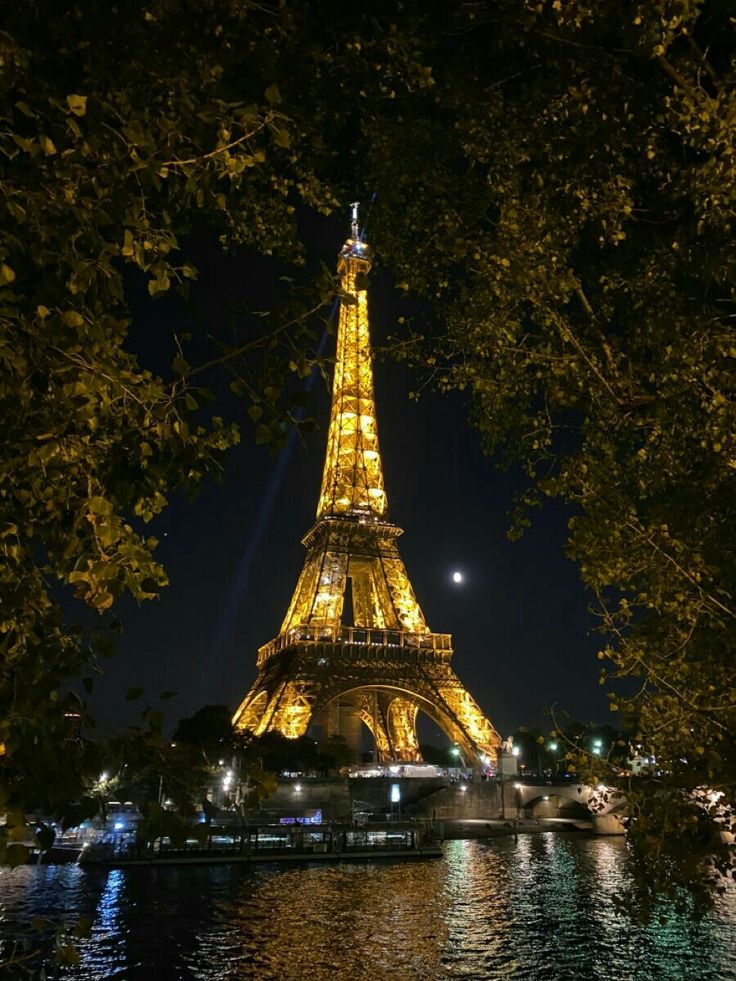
(352, 481)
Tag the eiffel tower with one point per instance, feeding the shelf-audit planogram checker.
(354, 647)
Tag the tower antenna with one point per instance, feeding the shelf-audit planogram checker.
(354, 227)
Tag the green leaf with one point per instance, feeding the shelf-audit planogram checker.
(159, 285)
(25, 144)
(272, 94)
(179, 365)
(83, 926)
(133, 693)
(17, 210)
(127, 248)
(77, 104)
(282, 137)
(99, 505)
(47, 145)
(67, 955)
(6, 274)
(263, 434)
(72, 318)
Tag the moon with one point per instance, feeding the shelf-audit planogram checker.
(457, 577)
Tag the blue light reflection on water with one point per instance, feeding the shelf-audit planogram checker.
(541, 907)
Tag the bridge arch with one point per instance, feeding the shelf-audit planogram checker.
(556, 803)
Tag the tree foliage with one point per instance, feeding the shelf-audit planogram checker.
(277, 754)
(574, 184)
(210, 729)
(121, 128)
(557, 178)
(109, 153)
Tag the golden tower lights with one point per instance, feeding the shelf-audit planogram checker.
(377, 662)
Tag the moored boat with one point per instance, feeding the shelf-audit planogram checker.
(273, 843)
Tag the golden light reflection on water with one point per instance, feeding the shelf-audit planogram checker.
(539, 908)
(351, 921)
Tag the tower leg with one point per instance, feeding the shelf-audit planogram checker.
(393, 690)
(351, 729)
(402, 722)
(372, 715)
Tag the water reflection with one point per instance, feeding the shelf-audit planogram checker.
(352, 921)
(542, 907)
(105, 955)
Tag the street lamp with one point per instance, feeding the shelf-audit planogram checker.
(552, 747)
(395, 798)
(597, 747)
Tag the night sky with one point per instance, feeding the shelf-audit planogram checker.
(521, 629)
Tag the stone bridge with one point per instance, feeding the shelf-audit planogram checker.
(488, 799)
(546, 800)
(433, 797)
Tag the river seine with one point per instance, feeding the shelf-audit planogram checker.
(540, 908)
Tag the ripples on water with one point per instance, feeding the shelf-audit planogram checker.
(539, 908)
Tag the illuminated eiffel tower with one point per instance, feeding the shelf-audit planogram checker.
(354, 647)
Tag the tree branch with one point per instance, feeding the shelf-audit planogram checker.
(683, 572)
(220, 149)
(236, 352)
(676, 77)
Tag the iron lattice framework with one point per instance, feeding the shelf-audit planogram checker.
(377, 664)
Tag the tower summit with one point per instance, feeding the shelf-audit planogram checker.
(354, 647)
(352, 483)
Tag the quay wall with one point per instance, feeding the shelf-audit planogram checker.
(432, 797)
(295, 797)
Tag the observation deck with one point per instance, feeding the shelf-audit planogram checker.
(437, 647)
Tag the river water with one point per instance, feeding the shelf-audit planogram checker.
(540, 909)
